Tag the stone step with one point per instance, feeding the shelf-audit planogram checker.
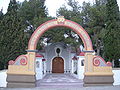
(59, 80)
(63, 83)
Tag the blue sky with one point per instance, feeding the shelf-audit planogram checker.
(52, 5)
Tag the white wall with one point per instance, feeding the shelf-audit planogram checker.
(3, 77)
(116, 77)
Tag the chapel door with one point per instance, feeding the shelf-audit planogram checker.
(58, 65)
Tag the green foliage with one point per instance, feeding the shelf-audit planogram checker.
(32, 9)
(33, 13)
(61, 34)
(16, 27)
(74, 15)
(12, 37)
(94, 18)
(91, 17)
(112, 32)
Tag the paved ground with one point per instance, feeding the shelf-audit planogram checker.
(59, 80)
(67, 88)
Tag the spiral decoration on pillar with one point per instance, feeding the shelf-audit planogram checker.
(109, 63)
(96, 61)
(99, 61)
(21, 60)
(11, 62)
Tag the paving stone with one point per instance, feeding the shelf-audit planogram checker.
(59, 80)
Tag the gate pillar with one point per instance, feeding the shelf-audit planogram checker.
(21, 72)
(97, 71)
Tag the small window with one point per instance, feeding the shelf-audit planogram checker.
(82, 63)
(37, 64)
(58, 50)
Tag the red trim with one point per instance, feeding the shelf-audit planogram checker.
(39, 55)
(81, 36)
(37, 31)
(57, 25)
(82, 54)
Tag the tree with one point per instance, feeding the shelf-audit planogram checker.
(72, 14)
(94, 18)
(12, 38)
(1, 17)
(33, 13)
(90, 17)
(112, 32)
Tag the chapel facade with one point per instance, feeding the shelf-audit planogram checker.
(58, 58)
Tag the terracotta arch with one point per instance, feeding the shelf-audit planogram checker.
(63, 23)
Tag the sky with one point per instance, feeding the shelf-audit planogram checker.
(52, 5)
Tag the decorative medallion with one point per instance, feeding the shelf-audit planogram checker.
(96, 61)
(61, 20)
(23, 61)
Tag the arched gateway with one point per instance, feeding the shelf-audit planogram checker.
(21, 72)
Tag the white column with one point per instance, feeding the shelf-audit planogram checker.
(72, 69)
(45, 67)
(41, 69)
(80, 70)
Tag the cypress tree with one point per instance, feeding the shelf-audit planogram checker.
(12, 38)
(1, 17)
(112, 33)
(33, 13)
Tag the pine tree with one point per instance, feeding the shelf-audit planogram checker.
(1, 17)
(33, 10)
(12, 38)
(112, 33)
(33, 13)
(96, 25)
(93, 20)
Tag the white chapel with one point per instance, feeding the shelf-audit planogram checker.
(59, 58)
